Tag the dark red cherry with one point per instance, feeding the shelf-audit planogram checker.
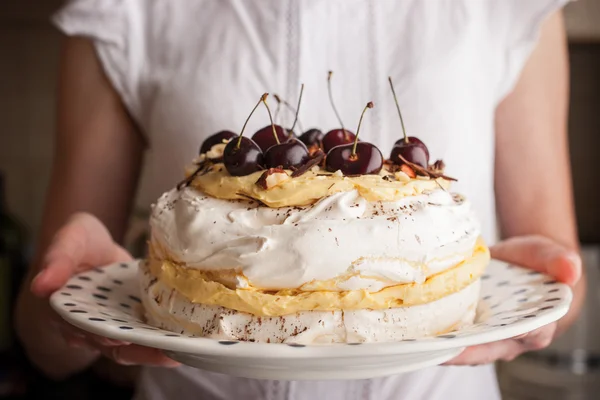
(337, 137)
(217, 138)
(242, 157)
(410, 148)
(366, 160)
(412, 152)
(358, 158)
(290, 154)
(312, 137)
(414, 140)
(264, 137)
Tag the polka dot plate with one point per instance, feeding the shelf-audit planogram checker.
(514, 301)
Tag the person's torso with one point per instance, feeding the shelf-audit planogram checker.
(187, 71)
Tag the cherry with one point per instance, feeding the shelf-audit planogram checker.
(265, 138)
(312, 137)
(409, 147)
(243, 156)
(337, 137)
(415, 140)
(290, 154)
(411, 152)
(359, 158)
(214, 139)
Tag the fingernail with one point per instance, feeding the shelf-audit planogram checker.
(575, 260)
(115, 355)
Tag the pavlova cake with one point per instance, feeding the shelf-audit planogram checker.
(312, 238)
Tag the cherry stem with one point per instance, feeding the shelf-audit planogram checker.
(264, 100)
(333, 104)
(264, 96)
(398, 107)
(369, 105)
(297, 107)
(281, 101)
(278, 107)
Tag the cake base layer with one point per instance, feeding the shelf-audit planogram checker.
(168, 309)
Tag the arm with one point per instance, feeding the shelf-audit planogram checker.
(533, 188)
(533, 179)
(96, 166)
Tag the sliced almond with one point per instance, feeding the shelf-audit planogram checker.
(271, 178)
(216, 151)
(402, 176)
(408, 171)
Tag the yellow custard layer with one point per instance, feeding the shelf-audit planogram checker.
(192, 284)
(310, 187)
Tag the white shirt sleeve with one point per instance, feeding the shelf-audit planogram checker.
(515, 26)
(115, 29)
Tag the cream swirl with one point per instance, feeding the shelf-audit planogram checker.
(342, 242)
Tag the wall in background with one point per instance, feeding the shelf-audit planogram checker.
(29, 46)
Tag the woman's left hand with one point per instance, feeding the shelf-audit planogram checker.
(540, 254)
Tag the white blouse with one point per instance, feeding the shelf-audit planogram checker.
(188, 68)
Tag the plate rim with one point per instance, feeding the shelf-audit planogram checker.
(243, 349)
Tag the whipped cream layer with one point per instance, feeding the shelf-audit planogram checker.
(167, 309)
(342, 242)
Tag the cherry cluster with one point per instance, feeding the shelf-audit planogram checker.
(276, 147)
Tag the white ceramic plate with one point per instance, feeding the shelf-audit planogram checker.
(514, 301)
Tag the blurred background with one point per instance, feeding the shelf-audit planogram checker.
(29, 48)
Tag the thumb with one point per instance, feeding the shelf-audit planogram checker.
(82, 243)
(540, 254)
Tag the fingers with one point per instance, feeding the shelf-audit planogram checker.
(541, 254)
(74, 334)
(138, 355)
(505, 350)
(83, 242)
(119, 351)
(487, 353)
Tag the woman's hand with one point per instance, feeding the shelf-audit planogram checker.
(84, 243)
(540, 254)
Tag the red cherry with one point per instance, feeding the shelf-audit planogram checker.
(337, 137)
(358, 158)
(312, 137)
(264, 137)
(409, 147)
(416, 141)
(242, 156)
(365, 159)
(214, 139)
(412, 152)
(290, 154)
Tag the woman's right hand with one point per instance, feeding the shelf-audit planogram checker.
(81, 244)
